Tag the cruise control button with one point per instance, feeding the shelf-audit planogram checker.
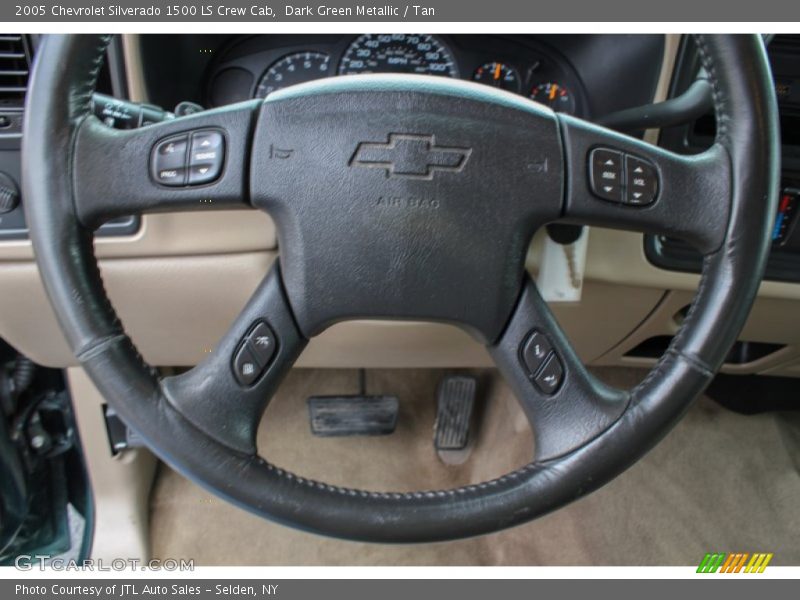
(605, 174)
(550, 376)
(245, 366)
(641, 181)
(262, 344)
(535, 351)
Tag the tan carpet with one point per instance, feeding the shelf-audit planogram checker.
(718, 482)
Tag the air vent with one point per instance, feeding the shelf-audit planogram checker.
(15, 60)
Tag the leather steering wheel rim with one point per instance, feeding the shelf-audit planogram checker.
(723, 201)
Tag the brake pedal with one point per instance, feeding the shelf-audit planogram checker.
(455, 400)
(340, 416)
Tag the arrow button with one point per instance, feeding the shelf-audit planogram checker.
(206, 156)
(641, 181)
(605, 167)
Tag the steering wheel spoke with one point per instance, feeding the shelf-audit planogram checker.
(226, 394)
(614, 180)
(565, 404)
(198, 162)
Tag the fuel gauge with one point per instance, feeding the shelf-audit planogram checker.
(555, 96)
(499, 75)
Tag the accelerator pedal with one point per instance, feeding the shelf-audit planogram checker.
(340, 416)
(455, 400)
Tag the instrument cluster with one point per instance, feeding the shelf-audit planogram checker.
(257, 67)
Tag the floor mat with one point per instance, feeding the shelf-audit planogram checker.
(718, 482)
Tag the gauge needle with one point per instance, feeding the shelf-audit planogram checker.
(553, 90)
(497, 71)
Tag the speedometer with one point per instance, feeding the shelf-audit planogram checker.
(398, 53)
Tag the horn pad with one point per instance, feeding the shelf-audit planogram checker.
(407, 199)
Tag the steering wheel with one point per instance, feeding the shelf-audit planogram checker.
(401, 197)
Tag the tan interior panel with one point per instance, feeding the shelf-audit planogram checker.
(618, 257)
(177, 234)
(771, 321)
(177, 305)
(791, 369)
(605, 314)
(120, 484)
(176, 308)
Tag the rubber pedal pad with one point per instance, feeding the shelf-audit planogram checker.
(339, 416)
(455, 399)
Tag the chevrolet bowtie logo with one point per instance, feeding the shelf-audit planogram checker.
(410, 155)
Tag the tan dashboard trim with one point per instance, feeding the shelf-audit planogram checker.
(672, 42)
(134, 71)
(177, 234)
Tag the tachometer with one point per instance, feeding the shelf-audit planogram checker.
(291, 70)
(398, 53)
